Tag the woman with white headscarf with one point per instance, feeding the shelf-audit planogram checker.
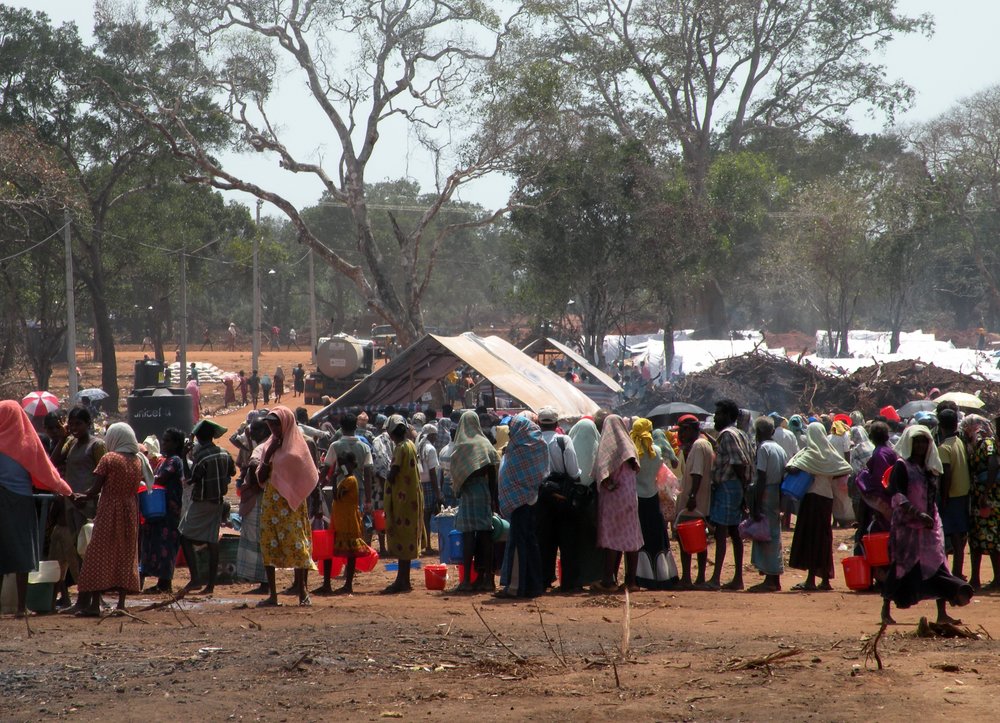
(812, 543)
(112, 559)
(919, 569)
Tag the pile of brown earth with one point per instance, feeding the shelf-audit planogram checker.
(764, 382)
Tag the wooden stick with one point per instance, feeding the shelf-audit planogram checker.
(254, 624)
(870, 648)
(496, 637)
(614, 666)
(548, 640)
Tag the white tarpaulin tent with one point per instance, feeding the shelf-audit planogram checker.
(418, 368)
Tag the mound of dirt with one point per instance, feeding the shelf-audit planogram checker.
(764, 382)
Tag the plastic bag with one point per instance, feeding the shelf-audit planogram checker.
(756, 530)
(83, 539)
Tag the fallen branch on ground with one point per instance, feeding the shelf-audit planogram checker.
(764, 661)
(517, 657)
(928, 629)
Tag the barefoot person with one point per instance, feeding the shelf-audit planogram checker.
(730, 474)
(474, 463)
(919, 569)
(345, 517)
(288, 475)
(159, 540)
(812, 543)
(694, 499)
(249, 563)
(23, 464)
(766, 554)
(211, 470)
(112, 559)
(618, 529)
(404, 506)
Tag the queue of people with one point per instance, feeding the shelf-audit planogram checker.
(603, 496)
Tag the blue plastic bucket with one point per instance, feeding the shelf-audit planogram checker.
(455, 545)
(153, 504)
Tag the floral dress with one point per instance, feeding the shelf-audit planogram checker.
(112, 559)
(159, 539)
(404, 505)
(985, 533)
(285, 534)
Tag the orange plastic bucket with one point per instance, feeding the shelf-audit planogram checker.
(435, 576)
(694, 538)
(857, 573)
(876, 549)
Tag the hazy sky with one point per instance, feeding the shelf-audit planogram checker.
(957, 61)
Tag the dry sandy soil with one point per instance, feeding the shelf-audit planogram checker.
(429, 656)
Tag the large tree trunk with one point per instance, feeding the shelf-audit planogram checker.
(109, 366)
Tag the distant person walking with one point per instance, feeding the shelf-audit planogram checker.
(276, 338)
(293, 340)
(206, 340)
(254, 385)
(265, 388)
(232, 336)
(279, 384)
(298, 380)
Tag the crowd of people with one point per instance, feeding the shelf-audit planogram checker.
(591, 504)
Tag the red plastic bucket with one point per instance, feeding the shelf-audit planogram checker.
(461, 573)
(367, 562)
(322, 547)
(876, 549)
(857, 573)
(378, 520)
(435, 576)
(694, 538)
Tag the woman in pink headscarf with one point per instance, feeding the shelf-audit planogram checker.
(23, 464)
(285, 469)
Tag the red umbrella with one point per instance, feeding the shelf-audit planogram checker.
(38, 404)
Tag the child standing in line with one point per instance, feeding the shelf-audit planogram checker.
(346, 522)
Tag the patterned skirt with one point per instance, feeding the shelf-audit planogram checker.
(475, 508)
(285, 534)
(249, 562)
(618, 514)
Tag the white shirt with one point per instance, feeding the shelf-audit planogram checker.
(428, 461)
(561, 461)
(786, 440)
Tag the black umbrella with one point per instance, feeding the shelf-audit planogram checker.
(676, 409)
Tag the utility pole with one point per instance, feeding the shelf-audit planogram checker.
(74, 382)
(255, 361)
(182, 376)
(312, 309)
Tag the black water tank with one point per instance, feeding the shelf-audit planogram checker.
(148, 373)
(153, 411)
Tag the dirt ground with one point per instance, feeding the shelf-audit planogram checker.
(429, 656)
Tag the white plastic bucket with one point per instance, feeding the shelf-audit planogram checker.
(48, 571)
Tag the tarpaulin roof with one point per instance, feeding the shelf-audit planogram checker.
(424, 364)
(540, 345)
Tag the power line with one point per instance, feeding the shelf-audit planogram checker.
(34, 246)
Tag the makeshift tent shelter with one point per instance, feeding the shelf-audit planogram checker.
(424, 364)
(604, 392)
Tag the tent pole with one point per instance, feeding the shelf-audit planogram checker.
(494, 390)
